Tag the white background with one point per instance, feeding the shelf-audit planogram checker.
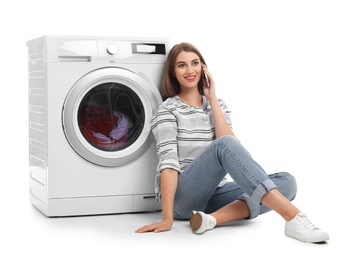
(281, 67)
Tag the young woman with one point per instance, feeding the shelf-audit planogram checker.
(197, 148)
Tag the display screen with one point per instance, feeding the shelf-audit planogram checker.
(148, 48)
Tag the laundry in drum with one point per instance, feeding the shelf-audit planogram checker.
(104, 129)
(104, 120)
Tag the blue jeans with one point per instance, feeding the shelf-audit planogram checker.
(198, 189)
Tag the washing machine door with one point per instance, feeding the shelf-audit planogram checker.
(106, 115)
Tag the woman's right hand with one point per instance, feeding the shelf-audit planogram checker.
(164, 225)
(169, 178)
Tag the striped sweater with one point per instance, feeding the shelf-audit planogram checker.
(182, 132)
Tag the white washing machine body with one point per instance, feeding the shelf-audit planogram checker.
(91, 99)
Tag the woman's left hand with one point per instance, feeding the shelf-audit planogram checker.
(209, 89)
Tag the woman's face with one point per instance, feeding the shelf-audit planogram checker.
(187, 69)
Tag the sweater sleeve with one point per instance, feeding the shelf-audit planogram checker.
(164, 128)
(226, 112)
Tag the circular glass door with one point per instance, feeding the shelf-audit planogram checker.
(106, 116)
(111, 116)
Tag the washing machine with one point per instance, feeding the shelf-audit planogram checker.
(91, 99)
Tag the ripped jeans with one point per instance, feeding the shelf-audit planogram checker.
(198, 189)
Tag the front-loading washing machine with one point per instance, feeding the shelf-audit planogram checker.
(91, 99)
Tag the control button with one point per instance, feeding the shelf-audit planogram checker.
(112, 49)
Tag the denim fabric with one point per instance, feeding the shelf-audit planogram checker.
(198, 189)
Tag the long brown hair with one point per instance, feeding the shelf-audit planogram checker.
(171, 87)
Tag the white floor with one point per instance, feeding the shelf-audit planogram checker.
(25, 231)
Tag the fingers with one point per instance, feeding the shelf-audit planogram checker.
(209, 81)
(156, 228)
(144, 229)
(204, 67)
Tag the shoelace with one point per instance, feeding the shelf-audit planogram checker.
(307, 223)
(211, 223)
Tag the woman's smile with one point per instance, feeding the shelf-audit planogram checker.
(188, 69)
(190, 78)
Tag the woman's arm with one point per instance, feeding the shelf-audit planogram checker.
(221, 125)
(169, 179)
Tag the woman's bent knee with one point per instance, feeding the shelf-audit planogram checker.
(286, 184)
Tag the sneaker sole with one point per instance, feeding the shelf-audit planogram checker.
(317, 239)
(195, 221)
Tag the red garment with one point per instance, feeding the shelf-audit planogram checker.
(97, 120)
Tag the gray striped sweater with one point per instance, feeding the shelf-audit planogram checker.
(182, 132)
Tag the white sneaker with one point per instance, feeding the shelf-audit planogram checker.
(200, 222)
(301, 228)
